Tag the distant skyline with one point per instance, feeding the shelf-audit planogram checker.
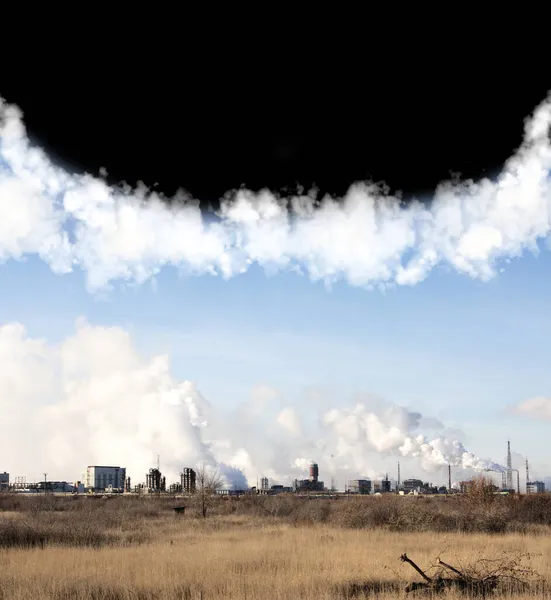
(414, 334)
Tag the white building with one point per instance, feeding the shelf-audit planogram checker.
(99, 478)
(535, 487)
(4, 481)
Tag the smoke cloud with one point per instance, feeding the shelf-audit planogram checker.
(93, 399)
(366, 238)
(394, 430)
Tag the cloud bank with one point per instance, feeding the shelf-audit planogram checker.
(538, 407)
(93, 399)
(366, 238)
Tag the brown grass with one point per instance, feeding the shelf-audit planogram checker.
(277, 548)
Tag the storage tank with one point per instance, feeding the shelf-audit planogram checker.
(314, 472)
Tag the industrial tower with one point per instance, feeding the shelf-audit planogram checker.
(509, 467)
(398, 480)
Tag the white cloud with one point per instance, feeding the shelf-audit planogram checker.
(367, 239)
(289, 421)
(539, 407)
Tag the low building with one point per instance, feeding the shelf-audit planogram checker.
(412, 485)
(382, 486)
(307, 485)
(229, 492)
(4, 482)
(100, 478)
(56, 487)
(465, 487)
(535, 487)
(280, 489)
(359, 486)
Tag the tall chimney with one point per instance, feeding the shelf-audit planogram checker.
(449, 478)
(398, 482)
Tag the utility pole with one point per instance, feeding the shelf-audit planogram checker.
(449, 478)
(45, 476)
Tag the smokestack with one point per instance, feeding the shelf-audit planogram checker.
(527, 475)
(398, 481)
(509, 467)
(449, 477)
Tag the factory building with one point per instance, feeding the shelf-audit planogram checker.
(359, 486)
(154, 481)
(56, 487)
(535, 487)
(312, 484)
(382, 487)
(4, 482)
(465, 486)
(99, 478)
(188, 481)
(412, 485)
(280, 489)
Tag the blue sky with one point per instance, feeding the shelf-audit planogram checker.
(451, 347)
(459, 348)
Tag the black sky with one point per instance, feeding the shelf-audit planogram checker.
(222, 125)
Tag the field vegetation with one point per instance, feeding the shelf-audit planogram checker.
(265, 547)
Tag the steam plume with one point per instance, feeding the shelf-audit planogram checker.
(368, 239)
(394, 430)
(92, 399)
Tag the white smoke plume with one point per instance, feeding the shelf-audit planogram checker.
(367, 237)
(395, 430)
(93, 399)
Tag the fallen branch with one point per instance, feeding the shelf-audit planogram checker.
(405, 558)
(449, 567)
(475, 586)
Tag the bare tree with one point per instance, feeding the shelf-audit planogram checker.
(207, 482)
(481, 491)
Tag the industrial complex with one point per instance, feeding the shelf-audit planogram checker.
(101, 479)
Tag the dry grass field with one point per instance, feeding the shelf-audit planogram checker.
(277, 548)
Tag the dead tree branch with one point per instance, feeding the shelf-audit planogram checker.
(449, 567)
(405, 558)
(478, 580)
